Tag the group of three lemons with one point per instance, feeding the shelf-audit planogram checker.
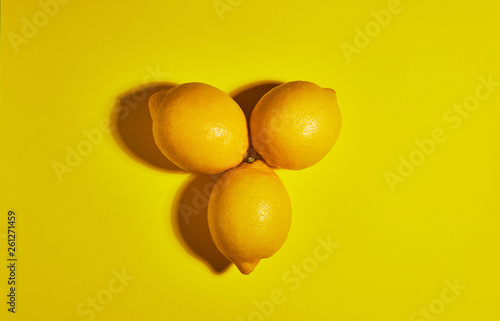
(202, 129)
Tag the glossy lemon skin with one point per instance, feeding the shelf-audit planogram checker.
(249, 214)
(295, 125)
(199, 128)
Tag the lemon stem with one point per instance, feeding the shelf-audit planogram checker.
(252, 155)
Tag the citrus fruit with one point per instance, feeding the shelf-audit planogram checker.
(294, 125)
(199, 128)
(249, 214)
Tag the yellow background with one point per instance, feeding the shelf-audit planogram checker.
(118, 208)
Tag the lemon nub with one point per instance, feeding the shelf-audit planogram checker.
(246, 267)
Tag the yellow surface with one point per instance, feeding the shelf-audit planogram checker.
(399, 250)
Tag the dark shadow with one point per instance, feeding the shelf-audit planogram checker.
(189, 221)
(133, 126)
(248, 96)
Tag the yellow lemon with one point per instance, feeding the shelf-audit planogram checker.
(249, 214)
(199, 128)
(294, 125)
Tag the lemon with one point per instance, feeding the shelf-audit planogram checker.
(199, 128)
(294, 125)
(249, 214)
